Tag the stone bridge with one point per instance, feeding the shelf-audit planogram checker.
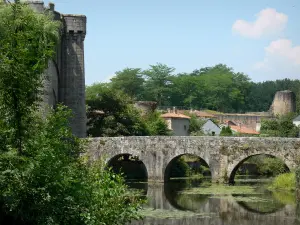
(222, 154)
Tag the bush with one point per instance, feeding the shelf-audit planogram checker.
(286, 181)
(226, 131)
(52, 184)
(267, 165)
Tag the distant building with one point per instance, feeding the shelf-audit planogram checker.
(210, 128)
(178, 123)
(146, 106)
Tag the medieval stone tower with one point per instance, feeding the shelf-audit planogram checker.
(284, 102)
(65, 76)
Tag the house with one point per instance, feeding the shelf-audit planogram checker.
(210, 128)
(296, 121)
(178, 123)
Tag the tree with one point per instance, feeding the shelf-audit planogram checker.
(156, 125)
(226, 131)
(195, 128)
(27, 42)
(52, 184)
(111, 113)
(279, 127)
(130, 81)
(43, 178)
(157, 83)
(186, 90)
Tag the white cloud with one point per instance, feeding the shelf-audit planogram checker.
(282, 59)
(268, 22)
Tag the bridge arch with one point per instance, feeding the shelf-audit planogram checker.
(238, 162)
(169, 171)
(129, 165)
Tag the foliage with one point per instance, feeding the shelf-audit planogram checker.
(271, 166)
(217, 88)
(157, 82)
(53, 185)
(180, 168)
(286, 181)
(27, 40)
(156, 125)
(111, 113)
(196, 125)
(226, 131)
(267, 165)
(279, 127)
(43, 179)
(130, 81)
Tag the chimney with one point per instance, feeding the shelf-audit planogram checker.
(51, 6)
(174, 110)
(169, 110)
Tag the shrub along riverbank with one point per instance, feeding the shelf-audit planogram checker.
(285, 181)
(43, 179)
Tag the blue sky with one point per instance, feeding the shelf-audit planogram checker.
(259, 37)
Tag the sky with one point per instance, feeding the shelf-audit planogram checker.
(260, 38)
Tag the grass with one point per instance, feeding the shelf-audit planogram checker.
(285, 181)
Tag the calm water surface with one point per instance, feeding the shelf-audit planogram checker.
(179, 203)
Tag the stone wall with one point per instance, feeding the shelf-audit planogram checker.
(222, 154)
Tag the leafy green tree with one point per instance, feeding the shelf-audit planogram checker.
(226, 131)
(195, 128)
(52, 184)
(156, 125)
(43, 179)
(130, 81)
(157, 84)
(111, 113)
(186, 90)
(279, 127)
(27, 41)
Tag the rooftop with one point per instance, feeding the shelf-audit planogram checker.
(243, 130)
(175, 115)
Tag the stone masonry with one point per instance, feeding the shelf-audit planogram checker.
(222, 154)
(65, 77)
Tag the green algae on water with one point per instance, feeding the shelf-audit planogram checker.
(220, 190)
(172, 214)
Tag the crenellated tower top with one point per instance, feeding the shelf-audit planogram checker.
(74, 24)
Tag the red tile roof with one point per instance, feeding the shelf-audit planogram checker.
(243, 130)
(175, 115)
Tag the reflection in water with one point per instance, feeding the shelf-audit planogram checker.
(168, 204)
(178, 200)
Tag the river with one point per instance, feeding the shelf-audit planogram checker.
(192, 202)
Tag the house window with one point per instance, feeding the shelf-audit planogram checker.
(184, 127)
(213, 133)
